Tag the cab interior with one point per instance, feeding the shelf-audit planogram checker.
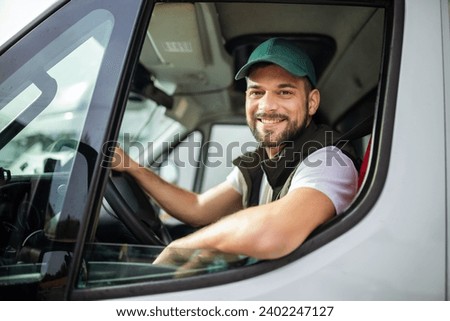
(192, 51)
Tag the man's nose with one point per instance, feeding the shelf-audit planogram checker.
(267, 103)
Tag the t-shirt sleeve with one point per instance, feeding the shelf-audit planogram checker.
(235, 178)
(330, 171)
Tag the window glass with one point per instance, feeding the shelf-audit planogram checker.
(43, 108)
(67, 108)
(144, 127)
(23, 100)
(112, 264)
(181, 166)
(227, 142)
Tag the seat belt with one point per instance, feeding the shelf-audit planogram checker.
(361, 129)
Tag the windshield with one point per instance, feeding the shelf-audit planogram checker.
(59, 95)
(16, 15)
(44, 103)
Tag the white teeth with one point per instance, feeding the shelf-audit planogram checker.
(270, 121)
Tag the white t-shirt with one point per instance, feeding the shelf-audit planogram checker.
(328, 170)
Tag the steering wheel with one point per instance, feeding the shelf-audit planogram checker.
(126, 198)
(132, 206)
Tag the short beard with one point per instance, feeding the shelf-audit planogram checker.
(290, 134)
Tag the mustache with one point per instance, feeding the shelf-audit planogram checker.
(271, 116)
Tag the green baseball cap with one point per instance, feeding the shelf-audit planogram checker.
(283, 53)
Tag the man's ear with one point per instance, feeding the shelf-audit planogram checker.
(313, 102)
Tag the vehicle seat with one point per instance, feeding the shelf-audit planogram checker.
(364, 164)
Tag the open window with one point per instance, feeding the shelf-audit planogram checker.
(191, 53)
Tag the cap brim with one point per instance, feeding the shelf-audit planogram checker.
(292, 69)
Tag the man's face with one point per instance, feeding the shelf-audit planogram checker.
(278, 106)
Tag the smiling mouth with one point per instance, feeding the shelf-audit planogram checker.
(270, 120)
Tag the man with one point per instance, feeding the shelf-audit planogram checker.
(276, 196)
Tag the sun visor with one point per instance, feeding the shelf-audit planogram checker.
(184, 46)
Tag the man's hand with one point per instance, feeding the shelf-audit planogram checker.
(121, 162)
(190, 262)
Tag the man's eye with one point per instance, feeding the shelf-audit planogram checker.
(255, 93)
(285, 92)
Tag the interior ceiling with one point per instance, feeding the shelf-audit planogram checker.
(342, 22)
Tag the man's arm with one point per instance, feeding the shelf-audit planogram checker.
(275, 229)
(268, 231)
(191, 208)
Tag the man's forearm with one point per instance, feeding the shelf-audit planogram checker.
(248, 232)
(191, 208)
(180, 203)
(265, 232)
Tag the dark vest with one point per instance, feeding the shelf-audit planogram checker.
(280, 169)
